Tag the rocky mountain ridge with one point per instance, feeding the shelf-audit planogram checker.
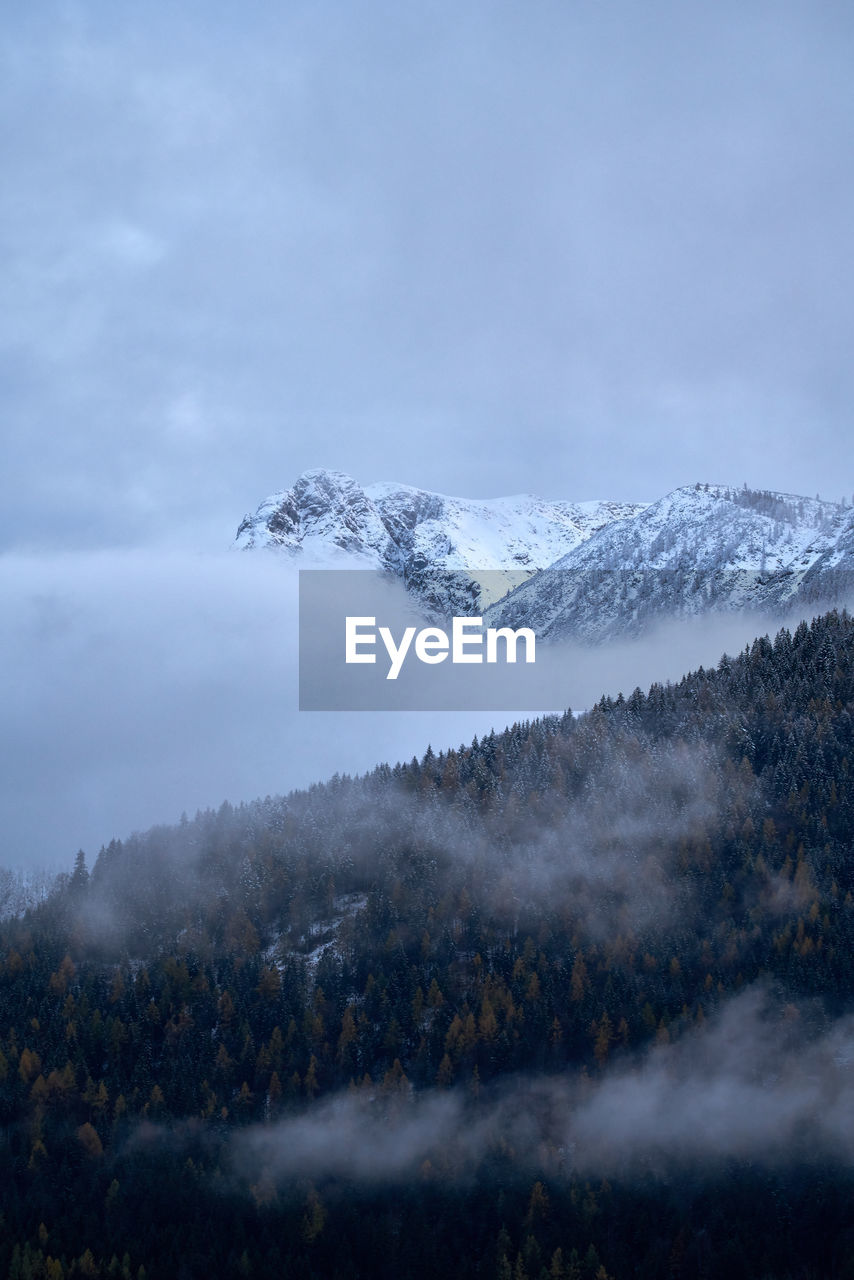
(588, 569)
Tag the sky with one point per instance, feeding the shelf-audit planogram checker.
(581, 250)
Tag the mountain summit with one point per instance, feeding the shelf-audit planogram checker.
(425, 538)
(587, 569)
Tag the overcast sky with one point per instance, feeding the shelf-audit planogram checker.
(584, 249)
(581, 249)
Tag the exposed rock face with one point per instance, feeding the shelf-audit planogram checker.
(440, 546)
(589, 569)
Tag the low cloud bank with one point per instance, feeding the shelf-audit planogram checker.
(749, 1085)
(142, 684)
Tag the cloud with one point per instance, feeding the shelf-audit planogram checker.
(610, 856)
(583, 253)
(141, 684)
(356, 1137)
(754, 1084)
(757, 1085)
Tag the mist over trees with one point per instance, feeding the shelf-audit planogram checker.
(573, 1000)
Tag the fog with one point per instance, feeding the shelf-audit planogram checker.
(140, 685)
(584, 251)
(752, 1084)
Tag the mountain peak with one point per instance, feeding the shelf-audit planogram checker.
(538, 557)
(414, 532)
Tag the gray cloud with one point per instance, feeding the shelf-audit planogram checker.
(758, 1084)
(142, 684)
(570, 250)
(139, 684)
(753, 1084)
(611, 856)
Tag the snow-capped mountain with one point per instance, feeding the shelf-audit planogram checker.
(701, 548)
(457, 554)
(589, 569)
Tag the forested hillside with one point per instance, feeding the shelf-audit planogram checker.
(572, 1001)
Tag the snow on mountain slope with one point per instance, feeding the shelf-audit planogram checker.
(437, 544)
(589, 569)
(326, 512)
(700, 548)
